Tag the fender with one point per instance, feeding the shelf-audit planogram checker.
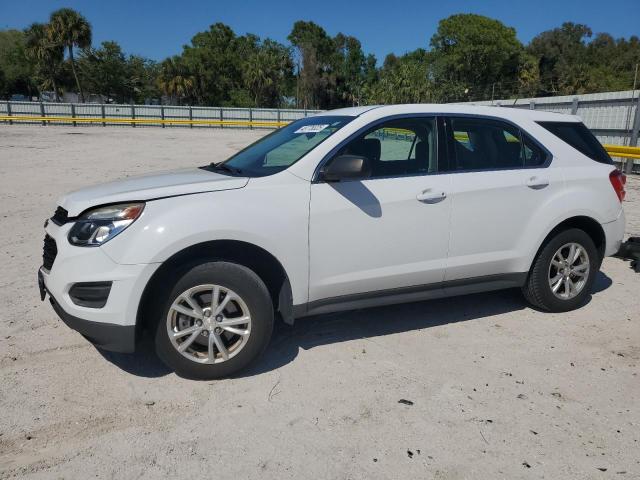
(250, 215)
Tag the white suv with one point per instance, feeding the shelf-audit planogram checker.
(347, 209)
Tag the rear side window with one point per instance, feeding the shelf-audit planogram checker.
(487, 144)
(579, 137)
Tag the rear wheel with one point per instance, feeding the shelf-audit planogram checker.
(563, 272)
(217, 319)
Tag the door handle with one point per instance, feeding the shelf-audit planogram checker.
(431, 196)
(537, 183)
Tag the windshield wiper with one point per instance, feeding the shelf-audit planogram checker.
(225, 168)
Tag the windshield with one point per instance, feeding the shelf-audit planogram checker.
(284, 147)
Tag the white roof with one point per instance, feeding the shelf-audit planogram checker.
(349, 111)
(378, 111)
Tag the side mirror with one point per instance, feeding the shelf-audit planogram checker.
(346, 167)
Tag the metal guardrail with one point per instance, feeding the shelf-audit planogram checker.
(72, 120)
(147, 115)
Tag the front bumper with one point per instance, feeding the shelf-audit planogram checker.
(111, 326)
(107, 336)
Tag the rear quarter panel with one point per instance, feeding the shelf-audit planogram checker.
(587, 192)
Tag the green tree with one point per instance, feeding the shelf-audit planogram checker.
(70, 29)
(175, 79)
(332, 72)
(46, 55)
(528, 76)
(213, 58)
(265, 71)
(104, 70)
(612, 62)
(141, 81)
(404, 79)
(562, 59)
(473, 53)
(233, 70)
(17, 69)
(350, 65)
(470, 57)
(313, 49)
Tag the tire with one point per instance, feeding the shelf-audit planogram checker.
(538, 290)
(190, 301)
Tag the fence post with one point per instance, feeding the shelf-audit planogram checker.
(190, 117)
(574, 106)
(221, 118)
(305, 113)
(73, 112)
(250, 119)
(278, 117)
(162, 115)
(42, 112)
(532, 105)
(9, 111)
(635, 131)
(133, 114)
(104, 124)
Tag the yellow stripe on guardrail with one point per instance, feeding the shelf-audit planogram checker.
(621, 149)
(175, 121)
(623, 152)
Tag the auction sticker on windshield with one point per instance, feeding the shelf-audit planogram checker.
(311, 129)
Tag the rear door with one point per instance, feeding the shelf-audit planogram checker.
(500, 178)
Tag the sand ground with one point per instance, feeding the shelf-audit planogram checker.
(494, 389)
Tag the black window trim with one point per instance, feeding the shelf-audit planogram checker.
(451, 161)
(443, 147)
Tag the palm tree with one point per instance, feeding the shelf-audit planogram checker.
(175, 80)
(46, 55)
(70, 29)
(258, 75)
(264, 72)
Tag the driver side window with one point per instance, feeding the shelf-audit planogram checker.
(399, 147)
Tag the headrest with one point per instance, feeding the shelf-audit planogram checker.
(367, 147)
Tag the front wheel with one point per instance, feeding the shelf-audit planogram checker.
(563, 272)
(217, 319)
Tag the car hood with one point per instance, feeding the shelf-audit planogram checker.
(149, 187)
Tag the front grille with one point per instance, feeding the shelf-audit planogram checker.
(49, 252)
(60, 217)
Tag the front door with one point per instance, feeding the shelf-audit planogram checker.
(387, 231)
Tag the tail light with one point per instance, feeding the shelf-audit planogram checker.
(618, 181)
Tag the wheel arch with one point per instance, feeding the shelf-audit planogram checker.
(262, 262)
(589, 225)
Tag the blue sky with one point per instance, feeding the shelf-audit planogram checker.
(159, 28)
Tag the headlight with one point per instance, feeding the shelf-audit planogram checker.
(97, 226)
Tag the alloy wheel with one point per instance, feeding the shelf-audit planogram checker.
(569, 271)
(209, 324)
